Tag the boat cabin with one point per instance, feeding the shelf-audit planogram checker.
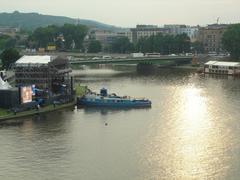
(103, 92)
(220, 67)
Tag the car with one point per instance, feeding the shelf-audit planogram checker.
(107, 57)
(189, 54)
(95, 58)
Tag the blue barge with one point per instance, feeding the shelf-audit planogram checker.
(111, 100)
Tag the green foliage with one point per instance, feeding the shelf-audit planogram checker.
(94, 46)
(7, 42)
(4, 112)
(73, 32)
(8, 57)
(197, 47)
(80, 90)
(43, 36)
(122, 45)
(164, 44)
(231, 41)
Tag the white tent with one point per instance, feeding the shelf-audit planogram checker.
(4, 84)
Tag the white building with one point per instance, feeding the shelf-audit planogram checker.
(191, 31)
(220, 67)
(142, 31)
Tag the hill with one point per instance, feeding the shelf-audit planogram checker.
(32, 21)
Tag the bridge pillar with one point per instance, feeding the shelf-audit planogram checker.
(146, 68)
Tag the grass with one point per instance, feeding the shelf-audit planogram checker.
(4, 112)
(80, 90)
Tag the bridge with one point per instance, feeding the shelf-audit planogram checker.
(162, 60)
(83, 59)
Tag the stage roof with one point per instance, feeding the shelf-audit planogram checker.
(34, 60)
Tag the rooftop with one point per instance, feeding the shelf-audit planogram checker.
(34, 60)
(222, 63)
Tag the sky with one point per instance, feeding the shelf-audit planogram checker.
(128, 13)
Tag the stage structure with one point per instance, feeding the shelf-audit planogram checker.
(44, 72)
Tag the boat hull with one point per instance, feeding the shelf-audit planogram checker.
(130, 104)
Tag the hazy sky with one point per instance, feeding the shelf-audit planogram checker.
(128, 13)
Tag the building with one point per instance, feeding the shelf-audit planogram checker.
(176, 29)
(127, 34)
(142, 31)
(107, 37)
(104, 36)
(8, 31)
(45, 72)
(211, 37)
(192, 32)
(219, 67)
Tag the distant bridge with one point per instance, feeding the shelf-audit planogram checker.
(163, 60)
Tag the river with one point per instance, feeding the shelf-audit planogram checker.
(191, 132)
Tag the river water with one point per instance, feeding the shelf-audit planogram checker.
(191, 132)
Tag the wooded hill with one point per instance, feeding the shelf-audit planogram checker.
(31, 21)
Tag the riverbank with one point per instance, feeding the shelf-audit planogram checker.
(6, 114)
(10, 115)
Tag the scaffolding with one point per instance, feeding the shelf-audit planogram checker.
(49, 75)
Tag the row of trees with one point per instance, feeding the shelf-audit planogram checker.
(65, 36)
(164, 44)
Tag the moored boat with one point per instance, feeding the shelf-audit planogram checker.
(112, 100)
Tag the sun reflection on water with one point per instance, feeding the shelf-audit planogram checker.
(190, 145)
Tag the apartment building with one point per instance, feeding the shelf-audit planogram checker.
(142, 31)
(211, 37)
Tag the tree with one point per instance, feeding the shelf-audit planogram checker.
(42, 36)
(182, 43)
(74, 33)
(9, 56)
(94, 46)
(164, 44)
(7, 42)
(121, 45)
(231, 41)
(197, 47)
